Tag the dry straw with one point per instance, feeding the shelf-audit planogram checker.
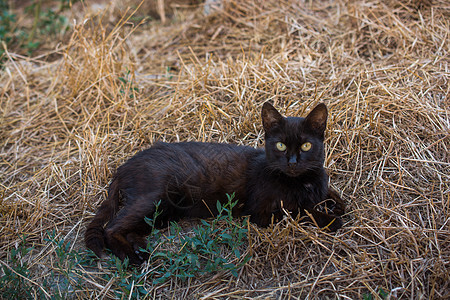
(382, 68)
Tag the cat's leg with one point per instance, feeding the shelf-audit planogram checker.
(330, 218)
(339, 205)
(332, 222)
(262, 220)
(138, 242)
(125, 235)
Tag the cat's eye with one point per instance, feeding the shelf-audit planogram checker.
(306, 146)
(281, 146)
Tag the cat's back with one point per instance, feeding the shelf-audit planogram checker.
(187, 158)
(209, 152)
(201, 152)
(192, 169)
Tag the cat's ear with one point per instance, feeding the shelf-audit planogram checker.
(270, 116)
(316, 121)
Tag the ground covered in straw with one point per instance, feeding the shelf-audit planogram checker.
(112, 86)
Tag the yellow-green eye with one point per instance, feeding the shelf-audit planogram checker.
(281, 146)
(306, 146)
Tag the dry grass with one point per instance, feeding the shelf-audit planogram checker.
(382, 67)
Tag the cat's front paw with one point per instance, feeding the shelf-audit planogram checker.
(335, 202)
(335, 224)
(138, 257)
(324, 220)
(138, 243)
(126, 247)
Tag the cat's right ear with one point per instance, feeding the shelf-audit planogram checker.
(316, 121)
(270, 117)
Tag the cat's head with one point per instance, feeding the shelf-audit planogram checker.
(294, 145)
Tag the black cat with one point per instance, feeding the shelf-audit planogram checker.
(189, 178)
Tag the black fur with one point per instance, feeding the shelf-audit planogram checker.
(189, 178)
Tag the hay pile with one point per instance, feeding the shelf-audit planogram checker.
(382, 68)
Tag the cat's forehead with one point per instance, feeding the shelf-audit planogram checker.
(293, 126)
(295, 121)
(290, 132)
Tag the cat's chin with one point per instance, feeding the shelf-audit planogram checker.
(292, 173)
(286, 172)
(296, 172)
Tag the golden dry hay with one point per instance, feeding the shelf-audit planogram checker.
(382, 68)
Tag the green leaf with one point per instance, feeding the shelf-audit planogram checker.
(383, 294)
(234, 272)
(237, 253)
(219, 207)
(226, 236)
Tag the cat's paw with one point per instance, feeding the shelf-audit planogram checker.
(335, 224)
(138, 244)
(335, 202)
(135, 257)
(124, 248)
(138, 257)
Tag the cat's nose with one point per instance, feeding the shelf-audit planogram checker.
(292, 161)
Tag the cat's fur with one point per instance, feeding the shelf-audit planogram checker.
(189, 178)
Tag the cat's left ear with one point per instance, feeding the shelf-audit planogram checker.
(317, 119)
(270, 117)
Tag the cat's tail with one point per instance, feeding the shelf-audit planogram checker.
(95, 232)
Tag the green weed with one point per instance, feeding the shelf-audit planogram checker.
(46, 23)
(213, 246)
(201, 252)
(381, 294)
(126, 85)
(14, 273)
